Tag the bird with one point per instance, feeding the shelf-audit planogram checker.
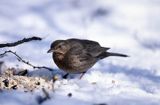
(76, 56)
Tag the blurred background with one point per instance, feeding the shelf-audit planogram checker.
(126, 26)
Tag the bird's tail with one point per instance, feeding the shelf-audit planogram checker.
(107, 54)
(116, 54)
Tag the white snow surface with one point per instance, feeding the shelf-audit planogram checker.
(126, 26)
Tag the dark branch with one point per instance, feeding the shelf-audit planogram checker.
(101, 104)
(26, 62)
(46, 97)
(46, 93)
(20, 42)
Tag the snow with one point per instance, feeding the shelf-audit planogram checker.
(126, 26)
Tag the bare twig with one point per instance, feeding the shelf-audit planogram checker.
(20, 42)
(101, 104)
(26, 62)
(41, 99)
(46, 93)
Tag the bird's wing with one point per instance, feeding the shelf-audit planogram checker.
(84, 42)
(79, 52)
(95, 50)
(79, 59)
(92, 48)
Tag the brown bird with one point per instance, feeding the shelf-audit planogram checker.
(78, 55)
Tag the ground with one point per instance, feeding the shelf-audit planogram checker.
(126, 26)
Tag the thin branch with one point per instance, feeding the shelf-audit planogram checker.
(20, 42)
(101, 104)
(46, 97)
(26, 62)
(46, 93)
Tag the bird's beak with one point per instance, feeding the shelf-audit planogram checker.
(50, 50)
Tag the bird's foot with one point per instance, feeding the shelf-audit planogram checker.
(65, 76)
(82, 75)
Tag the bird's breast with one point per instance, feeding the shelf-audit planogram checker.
(59, 60)
(73, 63)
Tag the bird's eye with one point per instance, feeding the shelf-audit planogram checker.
(60, 46)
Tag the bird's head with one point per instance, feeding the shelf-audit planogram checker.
(59, 47)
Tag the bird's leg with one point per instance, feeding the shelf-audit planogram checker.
(65, 76)
(82, 75)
